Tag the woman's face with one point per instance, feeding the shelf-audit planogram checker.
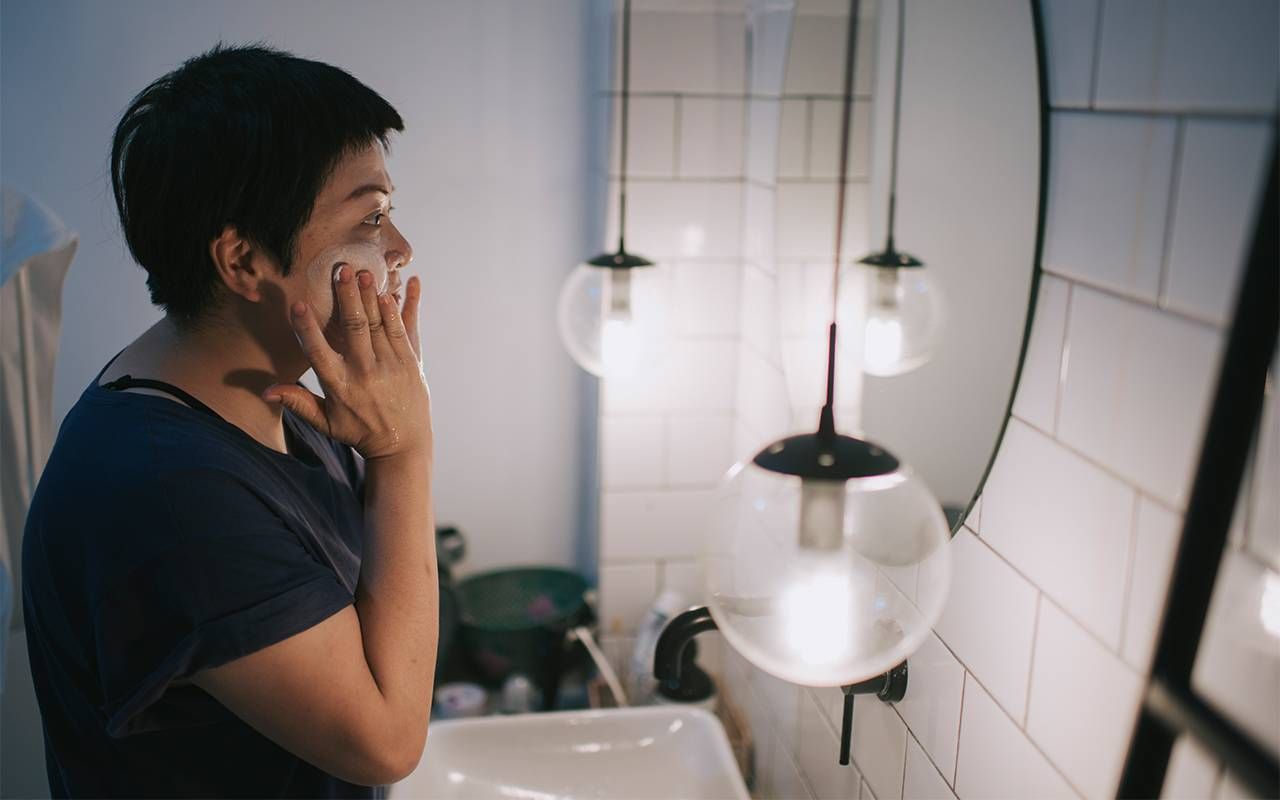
(350, 224)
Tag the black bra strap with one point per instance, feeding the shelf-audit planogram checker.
(105, 366)
(128, 382)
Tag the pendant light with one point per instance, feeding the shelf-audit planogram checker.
(610, 326)
(826, 563)
(905, 310)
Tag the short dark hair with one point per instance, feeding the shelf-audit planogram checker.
(243, 136)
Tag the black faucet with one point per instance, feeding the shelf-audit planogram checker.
(671, 643)
(889, 687)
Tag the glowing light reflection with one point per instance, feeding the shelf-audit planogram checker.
(1270, 607)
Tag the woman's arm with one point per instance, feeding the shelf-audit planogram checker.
(352, 695)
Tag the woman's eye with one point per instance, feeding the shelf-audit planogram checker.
(377, 217)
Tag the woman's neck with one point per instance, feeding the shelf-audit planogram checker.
(222, 366)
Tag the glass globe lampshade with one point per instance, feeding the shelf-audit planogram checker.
(905, 315)
(829, 579)
(610, 319)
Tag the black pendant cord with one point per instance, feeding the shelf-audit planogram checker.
(889, 257)
(897, 116)
(827, 423)
(626, 103)
(622, 259)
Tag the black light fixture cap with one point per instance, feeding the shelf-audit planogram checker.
(891, 258)
(620, 260)
(826, 457)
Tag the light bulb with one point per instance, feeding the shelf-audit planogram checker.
(826, 582)
(621, 347)
(904, 317)
(882, 343)
(611, 320)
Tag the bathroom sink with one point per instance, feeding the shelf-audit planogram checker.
(655, 751)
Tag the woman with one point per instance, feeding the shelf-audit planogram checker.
(230, 583)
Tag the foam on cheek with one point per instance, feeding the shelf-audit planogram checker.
(358, 256)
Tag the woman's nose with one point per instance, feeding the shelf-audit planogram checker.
(400, 253)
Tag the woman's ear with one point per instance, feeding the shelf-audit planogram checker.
(238, 263)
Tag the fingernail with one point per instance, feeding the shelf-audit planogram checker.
(366, 279)
(299, 309)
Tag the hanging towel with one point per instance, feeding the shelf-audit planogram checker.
(35, 252)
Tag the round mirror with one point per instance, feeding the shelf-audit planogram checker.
(929, 354)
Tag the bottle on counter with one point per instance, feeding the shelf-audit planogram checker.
(642, 684)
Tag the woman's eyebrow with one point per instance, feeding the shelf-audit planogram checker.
(368, 188)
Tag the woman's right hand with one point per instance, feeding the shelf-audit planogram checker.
(376, 396)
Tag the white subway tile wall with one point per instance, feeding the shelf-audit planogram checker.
(932, 706)
(1213, 216)
(1136, 390)
(997, 759)
(879, 746)
(711, 137)
(1155, 543)
(1077, 682)
(1109, 178)
(1037, 397)
(1063, 523)
(1175, 55)
(1159, 126)
(922, 778)
(1071, 27)
(989, 620)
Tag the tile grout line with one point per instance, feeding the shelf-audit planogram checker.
(1092, 461)
(906, 746)
(1126, 599)
(1034, 744)
(911, 732)
(1097, 53)
(1170, 213)
(1064, 361)
(1056, 603)
(1120, 294)
(1153, 113)
(664, 426)
(808, 138)
(677, 121)
(964, 686)
(1031, 668)
(711, 95)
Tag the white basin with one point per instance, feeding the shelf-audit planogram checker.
(656, 751)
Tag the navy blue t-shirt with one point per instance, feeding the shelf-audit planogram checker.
(162, 540)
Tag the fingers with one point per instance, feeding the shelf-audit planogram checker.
(396, 334)
(372, 310)
(301, 402)
(412, 295)
(314, 346)
(352, 316)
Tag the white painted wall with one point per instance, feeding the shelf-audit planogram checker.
(495, 191)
